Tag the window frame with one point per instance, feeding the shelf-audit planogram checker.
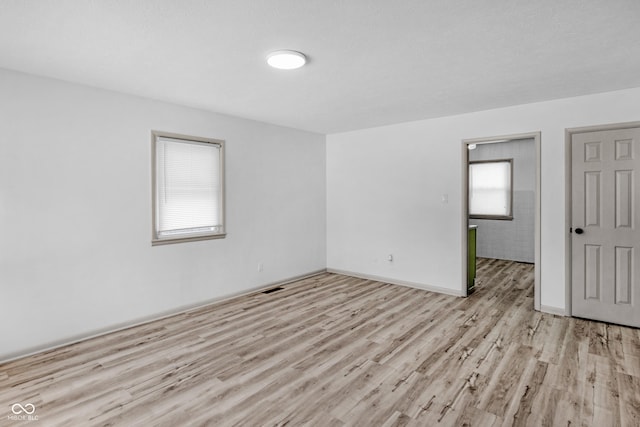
(155, 239)
(509, 216)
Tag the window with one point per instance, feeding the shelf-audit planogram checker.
(490, 189)
(188, 188)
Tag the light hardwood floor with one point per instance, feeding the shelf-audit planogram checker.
(336, 350)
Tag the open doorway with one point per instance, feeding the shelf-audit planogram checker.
(503, 216)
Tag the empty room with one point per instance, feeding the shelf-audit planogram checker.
(319, 213)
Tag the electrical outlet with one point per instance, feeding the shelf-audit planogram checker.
(390, 258)
(260, 267)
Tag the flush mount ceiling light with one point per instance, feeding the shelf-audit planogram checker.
(286, 59)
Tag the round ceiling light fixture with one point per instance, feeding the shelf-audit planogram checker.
(286, 59)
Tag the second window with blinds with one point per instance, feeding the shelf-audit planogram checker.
(490, 189)
(188, 188)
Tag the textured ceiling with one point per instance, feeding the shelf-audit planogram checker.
(371, 63)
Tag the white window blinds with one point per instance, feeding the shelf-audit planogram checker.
(188, 188)
(490, 188)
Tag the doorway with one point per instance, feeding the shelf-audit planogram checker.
(604, 174)
(531, 207)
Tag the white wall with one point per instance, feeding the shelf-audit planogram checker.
(385, 186)
(75, 211)
(513, 239)
(75, 208)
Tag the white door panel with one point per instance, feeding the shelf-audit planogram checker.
(605, 206)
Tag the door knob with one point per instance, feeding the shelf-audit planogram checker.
(579, 231)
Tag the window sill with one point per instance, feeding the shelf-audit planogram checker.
(492, 217)
(158, 242)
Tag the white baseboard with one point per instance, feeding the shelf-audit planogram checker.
(553, 310)
(414, 285)
(147, 319)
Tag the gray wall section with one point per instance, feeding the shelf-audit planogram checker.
(512, 240)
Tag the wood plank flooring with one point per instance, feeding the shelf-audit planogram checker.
(333, 350)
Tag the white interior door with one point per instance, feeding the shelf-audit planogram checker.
(605, 238)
